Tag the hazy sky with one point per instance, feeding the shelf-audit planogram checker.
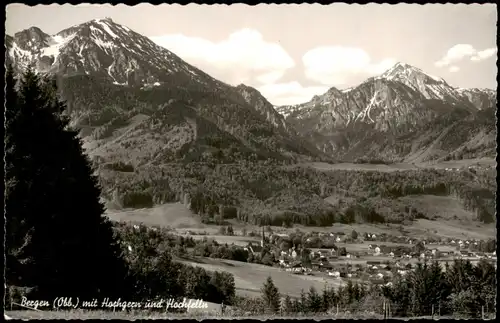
(292, 52)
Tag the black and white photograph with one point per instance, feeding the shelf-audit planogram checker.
(228, 161)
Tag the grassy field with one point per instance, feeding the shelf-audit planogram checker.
(442, 207)
(451, 229)
(249, 278)
(237, 240)
(173, 215)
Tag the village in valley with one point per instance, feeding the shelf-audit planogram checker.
(370, 258)
(334, 257)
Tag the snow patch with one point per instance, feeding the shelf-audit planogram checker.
(106, 28)
(435, 78)
(21, 53)
(57, 42)
(92, 28)
(99, 42)
(109, 71)
(366, 112)
(434, 89)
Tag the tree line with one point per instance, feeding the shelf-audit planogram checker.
(462, 290)
(58, 240)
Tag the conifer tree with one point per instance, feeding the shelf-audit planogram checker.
(313, 300)
(58, 240)
(287, 305)
(271, 295)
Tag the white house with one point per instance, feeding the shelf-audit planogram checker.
(348, 255)
(391, 254)
(422, 255)
(377, 250)
(453, 241)
(370, 246)
(402, 272)
(294, 254)
(374, 236)
(331, 235)
(334, 274)
(136, 227)
(130, 248)
(337, 239)
(349, 275)
(380, 276)
(374, 267)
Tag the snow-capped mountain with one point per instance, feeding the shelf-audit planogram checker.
(123, 90)
(101, 47)
(431, 87)
(402, 100)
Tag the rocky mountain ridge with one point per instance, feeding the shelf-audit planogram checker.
(128, 94)
(116, 80)
(384, 112)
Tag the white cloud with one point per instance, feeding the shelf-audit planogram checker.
(337, 65)
(290, 93)
(484, 54)
(454, 69)
(460, 52)
(243, 56)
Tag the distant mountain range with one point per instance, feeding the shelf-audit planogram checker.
(402, 115)
(138, 102)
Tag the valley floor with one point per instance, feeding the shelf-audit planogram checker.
(249, 277)
(484, 162)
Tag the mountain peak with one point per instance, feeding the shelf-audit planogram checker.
(403, 71)
(403, 65)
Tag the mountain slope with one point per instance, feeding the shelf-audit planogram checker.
(402, 115)
(112, 77)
